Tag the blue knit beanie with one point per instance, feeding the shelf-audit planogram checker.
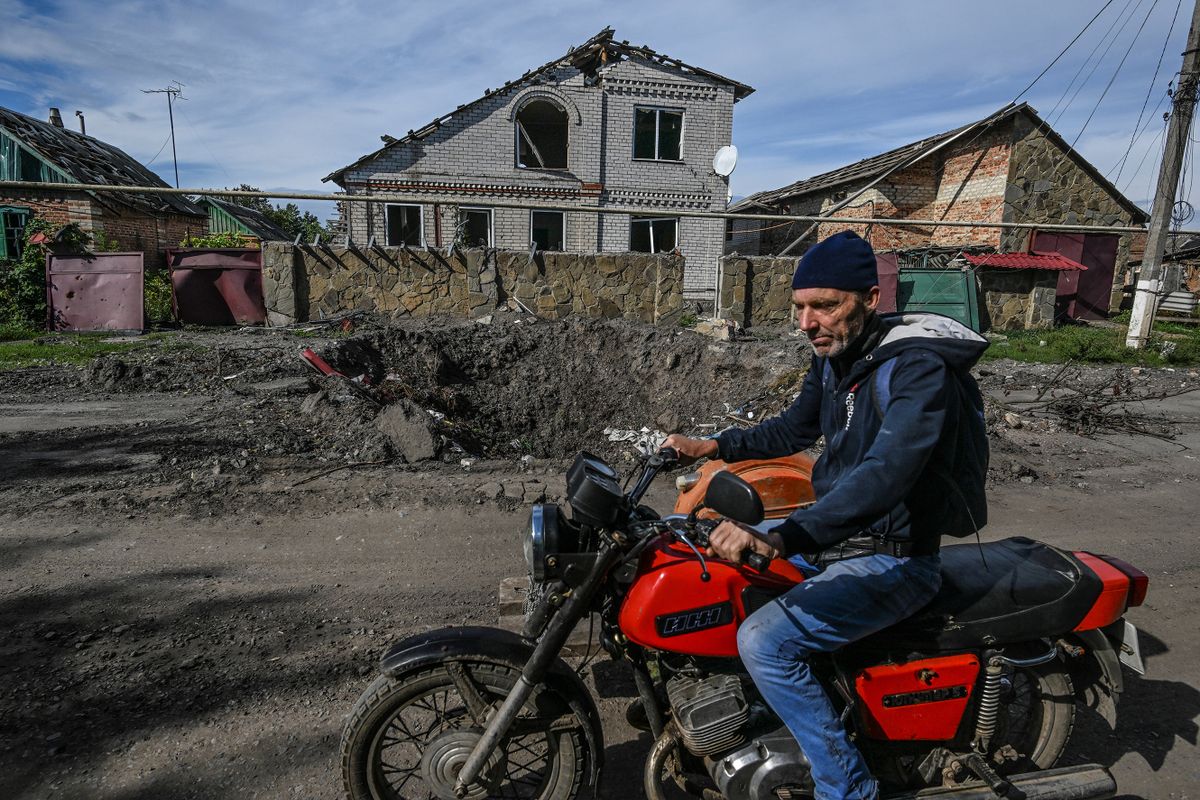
(843, 261)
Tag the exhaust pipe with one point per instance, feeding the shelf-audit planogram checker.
(1084, 782)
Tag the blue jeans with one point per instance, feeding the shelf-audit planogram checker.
(846, 602)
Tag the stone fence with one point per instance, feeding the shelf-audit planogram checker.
(757, 290)
(304, 282)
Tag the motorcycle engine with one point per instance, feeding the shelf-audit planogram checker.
(711, 712)
(771, 767)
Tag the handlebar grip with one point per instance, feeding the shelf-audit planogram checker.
(756, 561)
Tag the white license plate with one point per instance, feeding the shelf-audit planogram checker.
(1130, 652)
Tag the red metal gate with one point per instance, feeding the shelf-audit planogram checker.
(97, 292)
(1082, 295)
(217, 287)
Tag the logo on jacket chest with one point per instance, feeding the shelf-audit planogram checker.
(850, 406)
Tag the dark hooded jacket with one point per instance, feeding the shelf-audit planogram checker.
(905, 447)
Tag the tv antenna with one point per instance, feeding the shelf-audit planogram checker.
(173, 92)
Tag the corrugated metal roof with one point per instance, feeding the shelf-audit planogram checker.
(89, 160)
(254, 221)
(1055, 261)
(587, 57)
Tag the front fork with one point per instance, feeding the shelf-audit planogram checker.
(547, 650)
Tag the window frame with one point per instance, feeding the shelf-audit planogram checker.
(387, 228)
(658, 110)
(517, 125)
(491, 222)
(5, 210)
(650, 221)
(562, 214)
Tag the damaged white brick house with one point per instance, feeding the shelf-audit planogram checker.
(607, 124)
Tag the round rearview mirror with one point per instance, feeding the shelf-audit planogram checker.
(732, 497)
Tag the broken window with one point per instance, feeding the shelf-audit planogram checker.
(404, 225)
(653, 234)
(19, 164)
(475, 227)
(542, 135)
(657, 134)
(546, 229)
(12, 231)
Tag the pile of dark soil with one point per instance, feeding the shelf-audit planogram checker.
(550, 389)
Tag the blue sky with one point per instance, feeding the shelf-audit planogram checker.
(280, 94)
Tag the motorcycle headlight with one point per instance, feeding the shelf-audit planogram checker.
(542, 539)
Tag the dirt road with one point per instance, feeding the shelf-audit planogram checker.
(190, 604)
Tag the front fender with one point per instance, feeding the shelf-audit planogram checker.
(493, 645)
(1097, 674)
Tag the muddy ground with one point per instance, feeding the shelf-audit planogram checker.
(205, 545)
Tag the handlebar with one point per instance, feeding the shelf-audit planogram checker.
(756, 561)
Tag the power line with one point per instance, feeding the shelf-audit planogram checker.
(1064, 50)
(1116, 72)
(160, 149)
(1150, 90)
(1049, 116)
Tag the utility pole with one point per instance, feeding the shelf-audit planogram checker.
(1145, 297)
(173, 92)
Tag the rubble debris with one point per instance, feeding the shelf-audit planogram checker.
(410, 430)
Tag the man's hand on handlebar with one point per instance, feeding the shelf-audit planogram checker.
(730, 541)
(691, 450)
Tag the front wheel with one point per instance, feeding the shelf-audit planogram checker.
(408, 736)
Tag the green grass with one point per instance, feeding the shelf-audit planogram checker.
(1170, 345)
(65, 348)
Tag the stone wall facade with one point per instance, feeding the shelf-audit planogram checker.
(1047, 185)
(1015, 300)
(757, 291)
(470, 161)
(304, 282)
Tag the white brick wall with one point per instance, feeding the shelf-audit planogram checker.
(471, 160)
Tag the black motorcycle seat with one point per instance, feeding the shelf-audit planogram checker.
(1000, 592)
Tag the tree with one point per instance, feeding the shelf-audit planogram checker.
(289, 217)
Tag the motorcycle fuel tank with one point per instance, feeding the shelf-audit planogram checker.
(670, 607)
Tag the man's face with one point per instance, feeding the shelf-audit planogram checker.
(833, 318)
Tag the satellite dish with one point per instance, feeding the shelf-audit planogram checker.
(725, 160)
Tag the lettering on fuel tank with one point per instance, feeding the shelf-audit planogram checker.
(694, 619)
(924, 696)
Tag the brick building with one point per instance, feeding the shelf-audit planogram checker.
(1008, 167)
(607, 124)
(46, 152)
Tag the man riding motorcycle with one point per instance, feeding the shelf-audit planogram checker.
(904, 464)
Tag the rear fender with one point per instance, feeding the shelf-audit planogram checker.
(1096, 674)
(509, 649)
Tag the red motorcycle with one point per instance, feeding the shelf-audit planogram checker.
(973, 697)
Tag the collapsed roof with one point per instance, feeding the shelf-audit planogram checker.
(587, 58)
(88, 160)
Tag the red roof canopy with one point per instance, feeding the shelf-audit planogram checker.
(1055, 261)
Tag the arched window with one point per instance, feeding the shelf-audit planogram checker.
(542, 135)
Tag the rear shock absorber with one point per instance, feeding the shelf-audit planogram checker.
(989, 705)
(993, 685)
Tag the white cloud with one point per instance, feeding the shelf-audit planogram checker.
(281, 93)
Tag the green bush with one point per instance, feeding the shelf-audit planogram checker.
(157, 286)
(216, 241)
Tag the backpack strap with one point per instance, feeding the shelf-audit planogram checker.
(881, 387)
